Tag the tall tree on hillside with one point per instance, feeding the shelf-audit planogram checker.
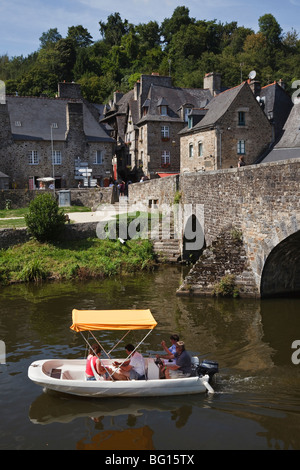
(271, 29)
(170, 26)
(50, 38)
(114, 29)
(80, 36)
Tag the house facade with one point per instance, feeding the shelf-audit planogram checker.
(147, 122)
(59, 138)
(230, 126)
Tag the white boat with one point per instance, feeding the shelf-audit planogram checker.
(68, 375)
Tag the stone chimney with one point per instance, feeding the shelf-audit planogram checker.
(212, 81)
(5, 127)
(71, 91)
(255, 87)
(74, 119)
(117, 96)
(136, 90)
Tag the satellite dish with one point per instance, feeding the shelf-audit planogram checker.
(252, 74)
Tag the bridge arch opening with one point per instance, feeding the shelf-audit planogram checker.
(281, 273)
(193, 239)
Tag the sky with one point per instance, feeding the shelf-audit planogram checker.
(22, 22)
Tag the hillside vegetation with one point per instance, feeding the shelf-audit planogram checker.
(184, 47)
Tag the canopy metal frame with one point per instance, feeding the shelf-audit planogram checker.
(108, 354)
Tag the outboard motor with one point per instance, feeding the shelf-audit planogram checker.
(208, 367)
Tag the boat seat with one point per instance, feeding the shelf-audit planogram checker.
(152, 371)
(73, 375)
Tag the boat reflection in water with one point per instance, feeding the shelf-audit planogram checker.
(54, 407)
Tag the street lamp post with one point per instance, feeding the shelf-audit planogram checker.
(52, 156)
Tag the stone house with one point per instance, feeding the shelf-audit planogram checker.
(146, 123)
(231, 125)
(58, 138)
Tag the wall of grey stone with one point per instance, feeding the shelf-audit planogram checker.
(161, 190)
(89, 197)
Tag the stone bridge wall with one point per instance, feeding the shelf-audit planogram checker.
(262, 201)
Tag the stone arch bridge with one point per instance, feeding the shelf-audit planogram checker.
(259, 202)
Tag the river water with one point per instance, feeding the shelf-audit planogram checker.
(256, 404)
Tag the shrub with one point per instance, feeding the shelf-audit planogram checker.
(226, 287)
(44, 219)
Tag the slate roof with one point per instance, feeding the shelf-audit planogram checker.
(215, 109)
(36, 116)
(174, 98)
(289, 144)
(276, 100)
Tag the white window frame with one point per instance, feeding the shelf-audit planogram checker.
(186, 114)
(191, 150)
(98, 160)
(56, 157)
(165, 157)
(241, 147)
(33, 157)
(165, 131)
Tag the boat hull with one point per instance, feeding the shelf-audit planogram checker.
(68, 376)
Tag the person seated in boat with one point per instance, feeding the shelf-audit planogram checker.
(170, 352)
(183, 366)
(134, 368)
(94, 357)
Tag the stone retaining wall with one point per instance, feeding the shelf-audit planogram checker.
(89, 197)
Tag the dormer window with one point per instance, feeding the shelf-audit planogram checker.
(186, 114)
(162, 107)
(164, 110)
(190, 122)
(146, 107)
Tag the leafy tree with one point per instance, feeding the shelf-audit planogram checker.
(170, 26)
(114, 29)
(271, 29)
(44, 220)
(80, 36)
(50, 38)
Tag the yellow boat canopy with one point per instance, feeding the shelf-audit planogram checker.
(92, 320)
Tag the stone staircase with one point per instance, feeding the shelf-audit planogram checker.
(167, 250)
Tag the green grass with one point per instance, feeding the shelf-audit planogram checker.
(13, 223)
(84, 259)
(8, 221)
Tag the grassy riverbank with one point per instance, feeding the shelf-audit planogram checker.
(84, 259)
